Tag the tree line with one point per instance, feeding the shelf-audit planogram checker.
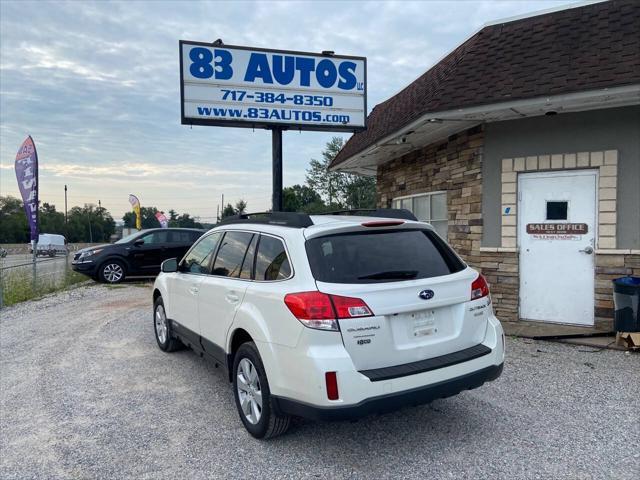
(149, 219)
(323, 191)
(84, 224)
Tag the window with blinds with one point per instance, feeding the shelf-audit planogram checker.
(427, 207)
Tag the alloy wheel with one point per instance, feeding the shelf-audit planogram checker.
(249, 391)
(113, 272)
(161, 324)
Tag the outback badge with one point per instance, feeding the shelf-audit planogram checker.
(426, 294)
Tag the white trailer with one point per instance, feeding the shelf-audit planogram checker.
(51, 245)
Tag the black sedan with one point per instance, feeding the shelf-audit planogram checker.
(139, 254)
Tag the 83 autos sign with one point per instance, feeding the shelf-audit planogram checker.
(249, 87)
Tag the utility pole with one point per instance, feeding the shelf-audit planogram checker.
(90, 232)
(99, 204)
(66, 228)
(222, 208)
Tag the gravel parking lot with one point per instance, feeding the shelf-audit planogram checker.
(86, 393)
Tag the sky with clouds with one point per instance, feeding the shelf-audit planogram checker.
(97, 86)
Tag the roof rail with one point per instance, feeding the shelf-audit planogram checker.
(402, 213)
(284, 219)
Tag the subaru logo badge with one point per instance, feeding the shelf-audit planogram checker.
(426, 294)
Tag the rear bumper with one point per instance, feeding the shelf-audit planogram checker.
(297, 375)
(390, 402)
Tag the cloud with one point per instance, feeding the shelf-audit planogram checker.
(96, 84)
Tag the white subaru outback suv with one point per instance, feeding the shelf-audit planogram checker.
(329, 316)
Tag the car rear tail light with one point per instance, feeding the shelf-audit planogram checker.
(479, 288)
(349, 307)
(322, 311)
(313, 309)
(331, 381)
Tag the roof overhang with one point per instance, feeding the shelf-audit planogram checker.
(435, 126)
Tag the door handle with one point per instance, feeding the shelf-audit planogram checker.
(232, 297)
(194, 290)
(587, 250)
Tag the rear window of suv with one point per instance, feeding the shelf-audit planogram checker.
(381, 256)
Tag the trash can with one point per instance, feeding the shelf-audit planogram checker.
(626, 297)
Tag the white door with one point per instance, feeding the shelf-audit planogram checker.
(221, 293)
(219, 300)
(557, 239)
(183, 300)
(184, 285)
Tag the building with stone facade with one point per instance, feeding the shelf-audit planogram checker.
(522, 148)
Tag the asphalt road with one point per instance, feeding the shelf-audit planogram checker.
(24, 260)
(86, 393)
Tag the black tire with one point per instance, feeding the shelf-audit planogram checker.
(108, 271)
(166, 342)
(270, 424)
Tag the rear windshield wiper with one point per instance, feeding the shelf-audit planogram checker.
(391, 274)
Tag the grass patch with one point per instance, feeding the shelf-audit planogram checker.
(18, 286)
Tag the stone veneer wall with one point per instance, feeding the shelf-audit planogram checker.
(611, 265)
(501, 269)
(454, 165)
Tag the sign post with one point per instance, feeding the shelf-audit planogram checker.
(276, 167)
(231, 86)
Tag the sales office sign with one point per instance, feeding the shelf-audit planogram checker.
(557, 231)
(250, 87)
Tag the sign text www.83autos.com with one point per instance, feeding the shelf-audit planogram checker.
(248, 87)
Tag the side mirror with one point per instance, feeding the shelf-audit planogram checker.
(169, 266)
(139, 242)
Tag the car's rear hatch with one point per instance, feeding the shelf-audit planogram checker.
(417, 289)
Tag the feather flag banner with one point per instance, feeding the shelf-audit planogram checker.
(26, 167)
(162, 219)
(135, 204)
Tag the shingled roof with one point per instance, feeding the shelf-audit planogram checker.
(578, 49)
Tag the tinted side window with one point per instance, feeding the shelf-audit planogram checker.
(181, 237)
(272, 262)
(156, 238)
(383, 256)
(231, 253)
(193, 236)
(247, 264)
(199, 258)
